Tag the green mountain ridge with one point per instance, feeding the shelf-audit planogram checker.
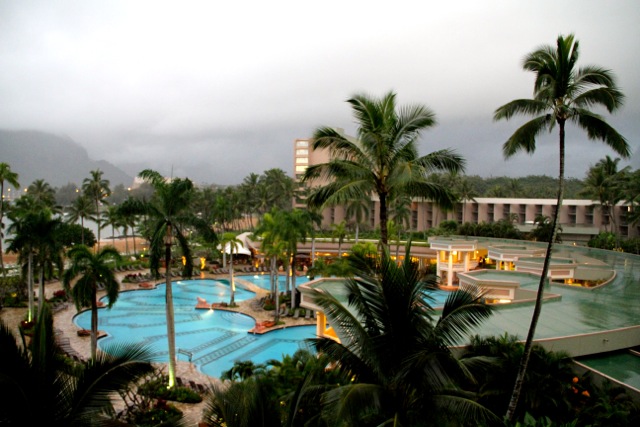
(56, 159)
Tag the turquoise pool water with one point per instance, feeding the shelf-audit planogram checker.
(264, 281)
(622, 366)
(215, 339)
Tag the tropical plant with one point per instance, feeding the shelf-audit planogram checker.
(274, 248)
(229, 242)
(43, 195)
(339, 233)
(562, 93)
(171, 215)
(10, 177)
(81, 208)
(96, 189)
(92, 271)
(544, 230)
(358, 209)
(383, 161)
(549, 382)
(395, 348)
(465, 192)
(37, 238)
(39, 378)
(605, 184)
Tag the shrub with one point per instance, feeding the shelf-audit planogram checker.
(157, 388)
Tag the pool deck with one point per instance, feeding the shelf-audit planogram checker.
(581, 321)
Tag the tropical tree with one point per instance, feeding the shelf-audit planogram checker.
(632, 196)
(37, 236)
(395, 348)
(96, 189)
(92, 271)
(44, 195)
(129, 210)
(38, 374)
(339, 233)
(605, 184)
(81, 208)
(171, 215)
(293, 228)
(273, 248)
(230, 242)
(112, 219)
(562, 93)
(465, 192)
(384, 159)
(6, 175)
(358, 209)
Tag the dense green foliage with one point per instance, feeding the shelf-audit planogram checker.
(157, 388)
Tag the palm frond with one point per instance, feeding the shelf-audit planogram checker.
(526, 107)
(463, 311)
(524, 138)
(598, 129)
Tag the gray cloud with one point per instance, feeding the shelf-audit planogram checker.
(218, 91)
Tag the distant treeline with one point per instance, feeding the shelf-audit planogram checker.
(529, 187)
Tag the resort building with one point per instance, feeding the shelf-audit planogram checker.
(580, 219)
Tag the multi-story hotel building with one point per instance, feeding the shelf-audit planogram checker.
(580, 219)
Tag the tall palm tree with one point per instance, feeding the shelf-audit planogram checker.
(562, 93)
(171, 215)
(358, 209)
(96, 189)
(395, 347)
(339, 233)
(273, 247)
(129, 211)
(36, 377)
(384, 160)
(605, 184)
(231, 241)
(112, 219)
(36, 237)
(466, 193)
(294, 227)
(10, 177)
(93, 271)
(81, 208)
(44, 195)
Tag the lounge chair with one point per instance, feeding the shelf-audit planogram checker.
(296, 313)
(307, 315)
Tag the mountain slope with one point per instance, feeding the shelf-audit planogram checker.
(57, 160)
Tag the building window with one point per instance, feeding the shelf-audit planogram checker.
(302, 143)
(301, 168)
(302, 161)
(302, 151)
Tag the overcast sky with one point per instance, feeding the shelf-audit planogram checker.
(217, 90)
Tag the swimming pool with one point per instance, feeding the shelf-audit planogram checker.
(214, 339)
(264, 281)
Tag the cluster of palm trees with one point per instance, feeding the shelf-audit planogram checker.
(608, 185)
(280, 232)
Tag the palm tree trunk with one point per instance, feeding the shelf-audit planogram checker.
(4, 274)
(524, 362)
(82, 229)
(231, 282)
(171, 331)
(30, 285)
(293, 281)
(94, 324)
(41, 296)
(383, 219)
(276, 289)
